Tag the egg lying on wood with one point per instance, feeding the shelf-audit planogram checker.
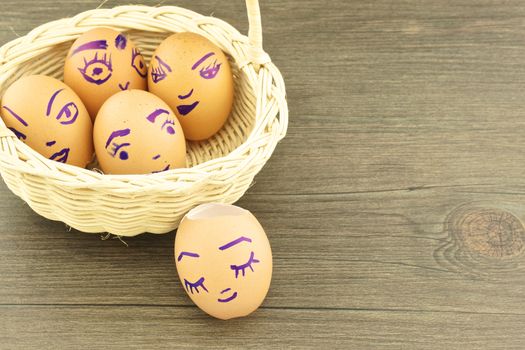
(137, 133)
(102, 62)
(49, 117)
(224, 260)
(195, 79)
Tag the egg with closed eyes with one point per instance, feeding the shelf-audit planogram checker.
(195, 79)
(49, 117)
(135, 132)
(224, 260)
(102, 62)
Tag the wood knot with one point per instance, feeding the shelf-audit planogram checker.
(493, 233)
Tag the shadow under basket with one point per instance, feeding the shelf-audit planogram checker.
(221, 169)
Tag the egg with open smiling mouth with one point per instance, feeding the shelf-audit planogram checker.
(199, 73)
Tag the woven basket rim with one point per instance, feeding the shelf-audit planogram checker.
(186, 176)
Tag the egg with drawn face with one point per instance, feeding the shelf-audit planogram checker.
(49, 117)
(137, 133)
(194, 77)
(102, 62)
(224, 260)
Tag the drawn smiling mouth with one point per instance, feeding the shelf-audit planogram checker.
(165, 169)
(226, 300)
(61, 156)
(186, 109)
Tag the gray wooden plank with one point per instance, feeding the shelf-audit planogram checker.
(130, 327)
(389, 250)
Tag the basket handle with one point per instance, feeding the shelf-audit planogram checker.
(257, 54)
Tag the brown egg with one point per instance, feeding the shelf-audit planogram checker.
(137, 133)
(195, 79)
(49, 117)
(102, 62)
(224, 260)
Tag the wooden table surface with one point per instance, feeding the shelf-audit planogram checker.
(394, 206)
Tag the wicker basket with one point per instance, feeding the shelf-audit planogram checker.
(220, 169)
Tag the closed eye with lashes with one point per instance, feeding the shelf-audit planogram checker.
(242, 268)
(194, 287)
(115, 148)
(210, 71)
(97, 70)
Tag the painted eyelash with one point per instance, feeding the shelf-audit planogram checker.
(243, 267)
(104, 60)
(190, 286)
(115, 147)
(210, 71)
(169, 127)
(134, 54)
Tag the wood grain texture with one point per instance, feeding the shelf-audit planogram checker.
(394, 206)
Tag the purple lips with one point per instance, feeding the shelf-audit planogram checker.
(186, 109)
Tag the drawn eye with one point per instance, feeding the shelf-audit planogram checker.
(210, 71)
(69, 112)
(194, 287)
(97, 71)
(161, 72)
(243, 267)
(137, 62)
(117, 148)
(169, 128)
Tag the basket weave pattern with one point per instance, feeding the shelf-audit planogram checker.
(220, 169)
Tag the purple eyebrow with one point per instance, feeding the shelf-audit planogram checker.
(151, 118)
(204, 58)
(24, 123)
(51, 101)
(183, 254)
(92, 45)
(118, 133)
(237, 241)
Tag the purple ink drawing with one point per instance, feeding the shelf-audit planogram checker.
(210, 71)
(168, 123)
(19, 135)
(186, 109)
(61, 156)
(116, 147)
(16, 116)
(194, 287)
(69, 112)
(235, 242)
(183, 97)
(159, 73)
(98, 70)
(191, 255)
(125, 87)
(242, 268)
(137, 62)
(92, 45)
(50, 143)
(230, 298)
(120, 42)
(166, 168)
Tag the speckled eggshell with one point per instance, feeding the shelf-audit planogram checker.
(49, 117)
(224, 260)
(102, 62)
(195, 79)
(137, 133)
